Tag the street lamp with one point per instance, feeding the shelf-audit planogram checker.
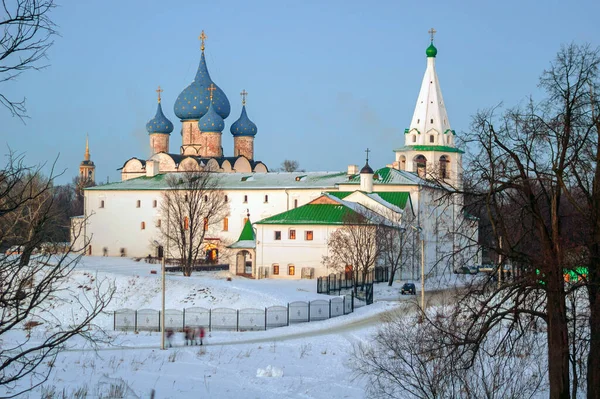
(419, 230)
(162, 314)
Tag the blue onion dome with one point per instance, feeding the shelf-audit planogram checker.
(194, 100)
(211, 121)
(243, 126)
(160, 123)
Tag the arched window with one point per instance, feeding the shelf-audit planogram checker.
(420, 165)
(154, 204)
(138, 203)
(101, 203)
(186, 223)
(414, 138)
(143, 226)
(225, 224)
(431, 138)
(444, 167)
(402, 162)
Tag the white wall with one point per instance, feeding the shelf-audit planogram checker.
(299, 252)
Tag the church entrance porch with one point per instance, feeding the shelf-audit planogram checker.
(244, 265)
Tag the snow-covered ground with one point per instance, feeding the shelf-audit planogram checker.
(307, 360)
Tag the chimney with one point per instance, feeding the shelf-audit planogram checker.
(152, 168)
(352, 170)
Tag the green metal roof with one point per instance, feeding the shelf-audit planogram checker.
(314, 214)
(389, 176)
(397, 198)
(438, 148)
(247, 232)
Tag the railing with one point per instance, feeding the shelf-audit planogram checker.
(335, 283)
(227, 319)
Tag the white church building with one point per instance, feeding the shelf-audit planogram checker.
(122, 218)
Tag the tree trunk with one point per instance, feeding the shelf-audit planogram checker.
(558, 342)
(593, 361)
(392, 274)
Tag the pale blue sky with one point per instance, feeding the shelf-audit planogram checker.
(326, 79)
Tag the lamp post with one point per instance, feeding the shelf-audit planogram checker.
(419, 230)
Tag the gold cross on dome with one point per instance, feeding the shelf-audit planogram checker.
(244, 93)
(159, 90)
(202, 38)
(432, 32)
(211, 89)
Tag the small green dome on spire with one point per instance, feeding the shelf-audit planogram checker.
(431, 51)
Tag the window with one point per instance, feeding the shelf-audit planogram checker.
(308, 235)
(444, 161)
(143, 226)
(277, 235)
(225, 224)
(418, 120)
(414, 138)
(295, 203)
(158, 223)
(266, 199)
(186, 223)
(291, 270)
(101, 203)
(420, 165)
(205, 224)
(292, 234)
(431, 138)
(154, 203)
(206, 198)
(431, 120)
(226, 198)
(245, 199)
(185, 198)
(138, 203)
(276, 269)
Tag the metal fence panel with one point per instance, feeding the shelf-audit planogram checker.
(319, 310)
(337, 307)
(148, 320)
(125, 319)
(277, 316)
(174, 319)
(348, 304)
(298, 312)
(196, 317)
(251, 319)
(223, 319)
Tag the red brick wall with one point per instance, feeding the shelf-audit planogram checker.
(243, 145)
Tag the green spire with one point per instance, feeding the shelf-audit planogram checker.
(431, 51)
(247, 232)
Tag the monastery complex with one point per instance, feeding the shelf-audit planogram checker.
(278, 223)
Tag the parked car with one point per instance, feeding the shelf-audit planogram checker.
(408, 288)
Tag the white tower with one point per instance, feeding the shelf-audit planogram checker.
(429, 145)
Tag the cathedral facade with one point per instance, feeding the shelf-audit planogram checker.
(123, 218)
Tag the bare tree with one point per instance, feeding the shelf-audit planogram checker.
(290, 165)
(191, 206)
(410, 359)
(396, 243)
(354, 246)
(27, 36)
(534, 178)
(34, 278)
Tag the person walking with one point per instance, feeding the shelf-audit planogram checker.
(201, 334)
(170, 334)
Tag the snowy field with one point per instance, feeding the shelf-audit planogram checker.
(309, 360)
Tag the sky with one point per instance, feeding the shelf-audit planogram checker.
(326, 79)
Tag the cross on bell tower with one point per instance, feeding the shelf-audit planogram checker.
(432, 32)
